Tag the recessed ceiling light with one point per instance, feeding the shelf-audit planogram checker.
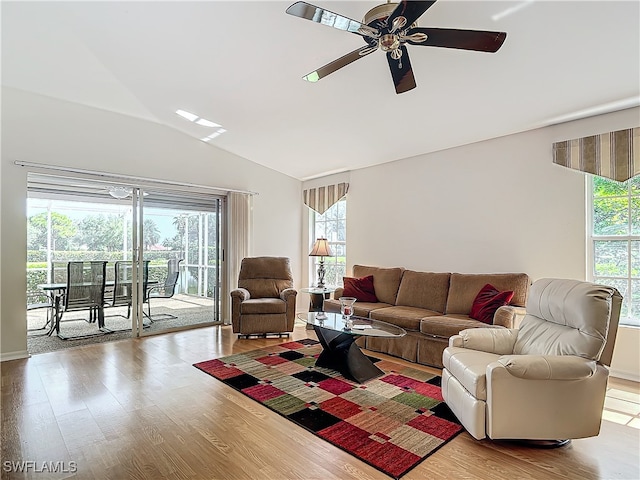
(189, 116)
(215, 134)
(206, 123)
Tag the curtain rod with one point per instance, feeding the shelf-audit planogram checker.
(128, 177)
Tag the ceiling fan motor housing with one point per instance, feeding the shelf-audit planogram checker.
(392, 39)
(389, 42)
(379, 13)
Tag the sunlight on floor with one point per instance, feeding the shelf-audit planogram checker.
(622, 405)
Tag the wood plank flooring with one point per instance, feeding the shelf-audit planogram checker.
(138, 409)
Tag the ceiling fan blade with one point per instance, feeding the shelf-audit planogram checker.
(320, 15)
(401, 71)
(339, 63)
(478, 40)
(411, 10)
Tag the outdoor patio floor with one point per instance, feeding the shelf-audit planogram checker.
(191, 311)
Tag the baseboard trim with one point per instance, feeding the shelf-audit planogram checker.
(14, 356)
(634, 377)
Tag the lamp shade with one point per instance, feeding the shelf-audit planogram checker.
(321, 249)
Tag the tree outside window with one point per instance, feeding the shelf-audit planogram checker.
(615, 241)
(332, 225)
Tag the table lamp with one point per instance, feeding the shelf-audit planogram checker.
(321, 249)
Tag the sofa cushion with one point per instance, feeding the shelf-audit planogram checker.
(424, 290)
(488, 300)
(263, 306)
(464, 287)
(359, 288)
(445, 326)
(402, 316)
(360, 309)
(386, 281)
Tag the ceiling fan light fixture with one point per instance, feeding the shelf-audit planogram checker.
(396, 54)
(398, 23)
(417, 37)
(389, 42)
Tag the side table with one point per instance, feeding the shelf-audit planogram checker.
(318, 295)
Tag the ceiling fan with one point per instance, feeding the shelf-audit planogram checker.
(389, 27)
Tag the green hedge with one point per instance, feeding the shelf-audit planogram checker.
(38, 256)
(37, 276)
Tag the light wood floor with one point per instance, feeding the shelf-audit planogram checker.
(137, 409)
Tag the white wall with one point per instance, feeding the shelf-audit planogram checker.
(495, 206)
(44, 130)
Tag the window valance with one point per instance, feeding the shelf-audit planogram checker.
(322, 199)
(614, 155)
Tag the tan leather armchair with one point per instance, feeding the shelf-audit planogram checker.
(265, 300)
(545, 381)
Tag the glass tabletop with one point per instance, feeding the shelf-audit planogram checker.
(361, 326)
(318, 290)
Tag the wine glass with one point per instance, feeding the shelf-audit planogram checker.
(346, 308)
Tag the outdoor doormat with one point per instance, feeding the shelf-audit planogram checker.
(392, 423)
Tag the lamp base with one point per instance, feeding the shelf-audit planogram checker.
(321, 273)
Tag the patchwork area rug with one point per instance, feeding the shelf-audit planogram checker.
(392, 423)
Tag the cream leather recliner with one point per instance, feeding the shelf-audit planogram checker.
(546, 380)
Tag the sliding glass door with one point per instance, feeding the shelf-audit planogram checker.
(184, 232)
(169, 240)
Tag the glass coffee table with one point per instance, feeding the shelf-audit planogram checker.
(339, 350)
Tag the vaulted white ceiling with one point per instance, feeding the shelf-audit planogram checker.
(240, 64)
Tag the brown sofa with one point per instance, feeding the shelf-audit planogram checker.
(431, 307)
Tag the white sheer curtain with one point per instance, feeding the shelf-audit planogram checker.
(239, 229)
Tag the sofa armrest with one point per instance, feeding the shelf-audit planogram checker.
(238, 296)
(240, 293)
(548, 367)
(509, 316)
(288, 292)
(491, 340)
(338, 293)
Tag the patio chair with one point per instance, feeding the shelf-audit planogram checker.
(84, 291)
(37, 301)
(165, 290)
(121, 293)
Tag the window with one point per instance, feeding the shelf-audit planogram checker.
(332, 225)
(614, 253)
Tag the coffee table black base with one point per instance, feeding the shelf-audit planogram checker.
(342, 354)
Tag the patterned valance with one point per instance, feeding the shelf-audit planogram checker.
(322, 199)
(614, 155)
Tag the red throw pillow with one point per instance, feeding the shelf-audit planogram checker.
(488, 300)
(359, 288)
